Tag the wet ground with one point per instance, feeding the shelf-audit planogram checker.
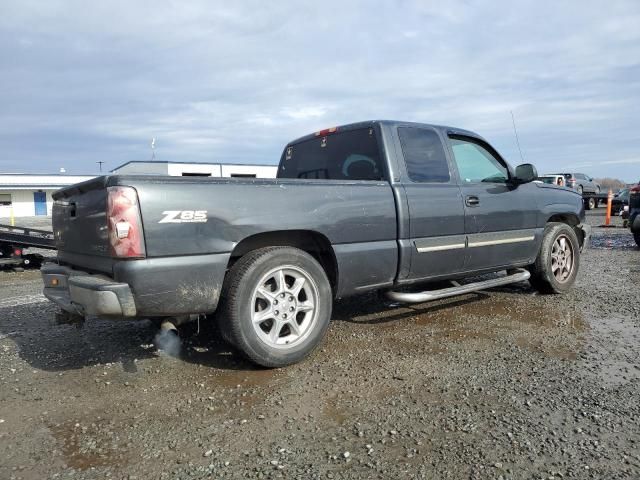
(499, 384)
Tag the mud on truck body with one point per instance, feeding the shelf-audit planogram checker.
(377, 205)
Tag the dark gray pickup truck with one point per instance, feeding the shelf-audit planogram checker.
(376, 205)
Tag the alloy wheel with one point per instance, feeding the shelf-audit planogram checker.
(284, 306)
(562, 259)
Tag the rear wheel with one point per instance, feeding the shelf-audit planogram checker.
(556, 266)
(636, 237)
(591, 203)
(276, 305)
(579, 189)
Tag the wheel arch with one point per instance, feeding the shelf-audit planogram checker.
(570, 219)
(314, 243)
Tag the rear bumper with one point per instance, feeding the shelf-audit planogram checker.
(166, 286)
(82, 294)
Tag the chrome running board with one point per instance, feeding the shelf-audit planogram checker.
(518, 275)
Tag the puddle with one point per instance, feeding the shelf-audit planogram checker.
(612, 350)
(83, 451)
(562, 352)
(504, 313)
(331, 411)
(514, 312)
(246, 378)
(613, 241)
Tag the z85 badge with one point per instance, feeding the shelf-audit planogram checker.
(184, 216)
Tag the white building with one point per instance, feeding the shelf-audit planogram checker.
(26, 195)
(30, 195)
(196, 169)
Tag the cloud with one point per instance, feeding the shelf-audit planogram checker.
(86, 82)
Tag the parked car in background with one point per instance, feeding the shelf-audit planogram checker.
(558, 180)
(579, 182)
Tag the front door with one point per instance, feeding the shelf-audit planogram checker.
(436, 212)
(40, 203)
(500, 218)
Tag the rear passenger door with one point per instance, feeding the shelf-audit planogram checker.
(500, 218)
(436, 213)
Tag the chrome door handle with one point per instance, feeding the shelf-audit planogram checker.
(472, 201)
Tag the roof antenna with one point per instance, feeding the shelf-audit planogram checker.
(516, 132)
(153, 149)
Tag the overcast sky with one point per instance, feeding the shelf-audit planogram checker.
(82, 82)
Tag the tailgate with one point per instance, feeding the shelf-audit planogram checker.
(80, 219)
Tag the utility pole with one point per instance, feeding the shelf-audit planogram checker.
(100, 163)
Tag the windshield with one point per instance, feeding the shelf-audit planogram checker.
(348, 155)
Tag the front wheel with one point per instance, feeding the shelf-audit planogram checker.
(276, 305)
(556, 266)
(579, 189)
(591, 203)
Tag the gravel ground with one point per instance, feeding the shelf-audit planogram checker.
(499, 384)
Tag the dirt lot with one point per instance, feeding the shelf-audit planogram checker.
(500, 384)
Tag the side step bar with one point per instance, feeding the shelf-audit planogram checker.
(515, 275)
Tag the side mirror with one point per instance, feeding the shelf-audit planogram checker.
(525, 173)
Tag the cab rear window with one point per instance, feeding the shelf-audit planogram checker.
(348, 155)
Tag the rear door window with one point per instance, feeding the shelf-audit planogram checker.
(348, 155)
(424, 155)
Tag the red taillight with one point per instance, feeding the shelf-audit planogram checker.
(326, 131)
(635, 189)
(17, 252)
(124, 222)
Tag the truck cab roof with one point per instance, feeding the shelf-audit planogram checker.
(390, 123)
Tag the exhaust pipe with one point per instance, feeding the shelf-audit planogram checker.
(167, 326)
(168, 338)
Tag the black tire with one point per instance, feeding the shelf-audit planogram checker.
(591, 203)
(32, 260)
(636, 237)
(240, 303)
(579, 189)
(543, 277)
